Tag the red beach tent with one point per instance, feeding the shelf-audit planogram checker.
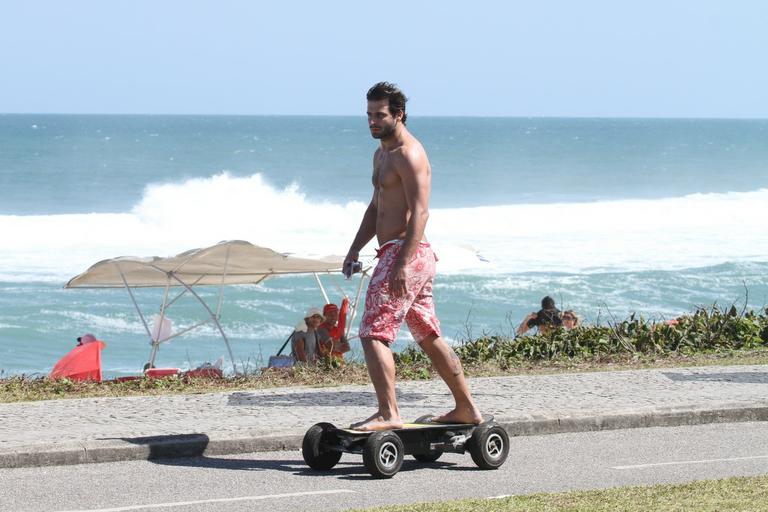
(82, 363)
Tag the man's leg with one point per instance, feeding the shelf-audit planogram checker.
(448, 365)
(381, 368)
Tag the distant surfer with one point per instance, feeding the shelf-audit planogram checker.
(401, 285)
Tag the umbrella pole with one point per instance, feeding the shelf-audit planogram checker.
(223, 280)
(322, 290)
(138, 309)
(213, 318)
(156, 343)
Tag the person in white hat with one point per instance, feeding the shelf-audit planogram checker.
(305, 338)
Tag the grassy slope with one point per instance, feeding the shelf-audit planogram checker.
(732, 494)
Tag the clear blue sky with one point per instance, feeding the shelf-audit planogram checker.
(671, 58)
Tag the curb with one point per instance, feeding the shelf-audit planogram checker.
(656, 417)
(196, 445)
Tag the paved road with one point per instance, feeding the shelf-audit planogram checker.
(110, 429)
(279, 481)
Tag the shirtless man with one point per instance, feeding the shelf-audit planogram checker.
(401, 285)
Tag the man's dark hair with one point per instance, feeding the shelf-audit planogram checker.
(547, 303)
(389, 91)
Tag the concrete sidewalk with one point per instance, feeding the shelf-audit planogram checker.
(111, 429)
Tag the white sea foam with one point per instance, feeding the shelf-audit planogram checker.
(681, 232)
(123, 323)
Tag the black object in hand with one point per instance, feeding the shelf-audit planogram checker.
(352, 267)
(546, 317)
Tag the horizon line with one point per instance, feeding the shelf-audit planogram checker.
(411, 115)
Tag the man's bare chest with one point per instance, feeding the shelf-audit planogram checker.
(385, 174)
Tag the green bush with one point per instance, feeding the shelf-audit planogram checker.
(705, 330)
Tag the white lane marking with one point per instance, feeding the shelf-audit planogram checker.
(705, 461)
(218, 500)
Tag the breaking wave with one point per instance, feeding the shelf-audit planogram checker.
(621, 235)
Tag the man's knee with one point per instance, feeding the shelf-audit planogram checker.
(429, 341)
(375, 342)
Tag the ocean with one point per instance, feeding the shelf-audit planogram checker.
(608, 216)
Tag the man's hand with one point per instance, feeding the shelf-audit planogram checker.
(352, 257)
(523, 328)
(397, 280)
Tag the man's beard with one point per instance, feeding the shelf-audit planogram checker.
(384, 132)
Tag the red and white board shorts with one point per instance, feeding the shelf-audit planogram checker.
(384, 313)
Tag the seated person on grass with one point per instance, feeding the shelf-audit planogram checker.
(333, 342)
(306, 340)
(546, 319)
(570, 319)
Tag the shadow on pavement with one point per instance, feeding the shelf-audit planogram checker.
(174, 445)
(206, 462)
(360, 473)
(186, 450)
(735, 377)
(344, 470)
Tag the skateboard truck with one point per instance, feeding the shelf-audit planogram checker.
(458, 441)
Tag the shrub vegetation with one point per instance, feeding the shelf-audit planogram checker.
(707, 336)
(706, 330)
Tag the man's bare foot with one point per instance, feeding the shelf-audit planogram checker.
(376, 423)
(470, 416)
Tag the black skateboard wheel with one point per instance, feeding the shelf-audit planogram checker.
(383, 454)
(489, 446)
(314, 450)
(430, 456)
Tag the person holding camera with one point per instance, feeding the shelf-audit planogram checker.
(545, 319)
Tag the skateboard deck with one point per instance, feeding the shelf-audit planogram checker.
(424, 424)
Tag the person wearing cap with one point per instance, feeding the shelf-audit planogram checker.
(546, 319)
(305, 342)
(333, 342)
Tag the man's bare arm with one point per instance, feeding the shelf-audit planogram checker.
(415, 176)
(367, 229)
(365, 232)
(301, 355)
(523, 327)
(413, 169)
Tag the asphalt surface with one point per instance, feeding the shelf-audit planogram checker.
(279, 481)
(77, 431)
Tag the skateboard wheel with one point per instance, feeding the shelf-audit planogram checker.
(314, 450)
(489, 446)
(430, 456)
(383, 454)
